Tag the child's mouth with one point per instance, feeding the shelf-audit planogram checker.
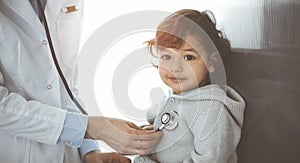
(177, 79)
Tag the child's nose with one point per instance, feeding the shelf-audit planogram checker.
(176, 65)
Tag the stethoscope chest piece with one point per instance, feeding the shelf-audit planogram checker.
(168, 120)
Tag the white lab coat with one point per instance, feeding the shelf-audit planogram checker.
(33, 101)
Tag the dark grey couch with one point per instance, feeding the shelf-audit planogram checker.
(269, 80)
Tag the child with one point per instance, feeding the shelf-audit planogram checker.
(201, 121)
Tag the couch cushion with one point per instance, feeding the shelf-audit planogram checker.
(269, 80)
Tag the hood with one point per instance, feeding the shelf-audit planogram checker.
(223, 94)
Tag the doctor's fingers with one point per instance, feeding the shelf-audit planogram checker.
(140, 147)
(147, 141)
(138, 151)
(144, 144)
(129, 150)
(146, 135)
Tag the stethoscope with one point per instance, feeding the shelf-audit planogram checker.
(168, 120)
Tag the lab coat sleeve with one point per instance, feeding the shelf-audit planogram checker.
(87, 145)
(29, 119)
(217, 139)
(75, 90)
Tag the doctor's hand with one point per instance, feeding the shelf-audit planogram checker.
(123, 136)
(98, 157)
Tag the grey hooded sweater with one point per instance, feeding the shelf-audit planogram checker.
(209, 126)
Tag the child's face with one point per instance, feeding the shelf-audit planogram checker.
(183, 69)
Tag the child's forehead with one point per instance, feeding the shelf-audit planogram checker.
(185, 47)
(187, 43)
(192, 40)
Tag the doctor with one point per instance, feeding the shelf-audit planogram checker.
(38, 120)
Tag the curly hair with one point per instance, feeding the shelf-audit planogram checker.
(171, 31)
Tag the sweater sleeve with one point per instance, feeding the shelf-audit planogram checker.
(216, 140)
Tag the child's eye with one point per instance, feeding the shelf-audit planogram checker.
(165, 57)
(189, 57)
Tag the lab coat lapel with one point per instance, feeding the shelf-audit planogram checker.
(52, 9)
(22, 14)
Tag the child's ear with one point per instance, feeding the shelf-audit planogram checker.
(212, 60)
